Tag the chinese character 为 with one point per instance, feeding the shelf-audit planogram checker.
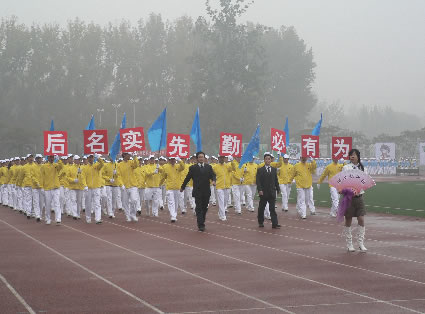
(277, 142)
(94, 145)
(342, 148)
(130, 139)
(310, 145)
(55, 144)
(179, 144)
(230, 145)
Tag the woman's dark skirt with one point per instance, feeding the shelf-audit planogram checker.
(356, 208)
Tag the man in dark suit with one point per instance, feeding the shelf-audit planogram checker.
(267, 186)
(201, 173)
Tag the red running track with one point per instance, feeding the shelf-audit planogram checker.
(153, 266)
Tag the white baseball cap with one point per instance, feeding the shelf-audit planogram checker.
(286, 156)
(151, 156)
(76, 157)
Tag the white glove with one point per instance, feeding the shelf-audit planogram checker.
(245, 169)
(156, 170)
(318, 186)
(86, 188)
(96, 156)
(115, 171)
(122, 187)
(76, 181)
(229, 158)
(112, 180)
(241, 179)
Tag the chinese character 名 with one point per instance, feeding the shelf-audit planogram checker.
(131, 140)
(310, 145)
(342, 148)
(55, 144)
(94, 144)
(179, 144)
(230, 145)
(277, 142)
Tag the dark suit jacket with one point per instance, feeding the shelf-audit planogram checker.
(267, 182)
(201, 179)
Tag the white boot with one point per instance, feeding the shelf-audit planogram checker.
(349, 239)
(360, 239)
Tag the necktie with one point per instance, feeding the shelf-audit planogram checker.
(268, 169)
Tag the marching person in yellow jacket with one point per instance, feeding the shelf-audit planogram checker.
(27, 184)
(141, 184)
(330, 171)
(129, 189)
(237, 180)
(162, 200)
(63, 190)
(113, 183)
(213, 199)
(3, 177)
(171, 174)
(19, 188)
(37, 191)
(75, 184)
(223, 172)
(50, 178)
(187, 193)
(92, 180)
(248, 184)
(153, 185)
(12, 181)
(302, 173)
(284, 174)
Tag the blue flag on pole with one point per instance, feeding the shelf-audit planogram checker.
(91, 126)
(195, 133)
(115, 148)
(286, 129)
(316, 130)
(157, 134)
(252, 149)
(52, 125)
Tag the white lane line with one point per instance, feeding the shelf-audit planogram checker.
(224, 311)
(153, 308)
(350, 303)
(289, 252)
(17, 295)
(178, 268)
(419, 210)
(245, 262)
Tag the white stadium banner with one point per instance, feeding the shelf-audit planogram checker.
(294, 150)
(385, 150)
(422, 153)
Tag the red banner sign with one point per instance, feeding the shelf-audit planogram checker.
(95, 142)
(55, 143)
(230, 144)
(132, 140)
(341, 146)
(278, 140)
(178, 145)
(310, 146)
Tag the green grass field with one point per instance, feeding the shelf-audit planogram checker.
(398, 198)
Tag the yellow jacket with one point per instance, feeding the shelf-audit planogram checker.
(108, 173)
(19, 175)
(249, 173)
(26, 173)
(172, 175)
(14, 173)
(50, 175)
(184, 173)
(37, 182)
(223, 175)
(140, 175)
(127, 174)
(153, 180)
(62, 176)
(71, 174)
(284, 173)
(3, 175)
(303, 174)
(330, 171)
(237, 174)
(92, 175)
(274, 164)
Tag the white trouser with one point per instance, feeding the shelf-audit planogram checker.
(83, 200)
(222, 197)
(163, 199)
(62, 199)
(172, 202)
(236, 192)
(153, 196)
(108, 200)
(141, 199)
(104, 200)
(181, 202)
(116, 198)
(229, 197)
(130, 198)
(188, 197)
(37, 201)
(285, 190)
(212, 197)
(5, 194)
(19, 198)
(1, 194)
(52, 203)
(250, 194)
(74, 202)
(93, 204)
(334, 200)
(243, 191)
(27, 200)
(304, 200)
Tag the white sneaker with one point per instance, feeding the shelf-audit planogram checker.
(333, 215)
(48, 222)
(135, 218)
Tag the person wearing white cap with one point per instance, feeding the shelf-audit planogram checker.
(3, 177)
(153, 189)
(63, 190)
(249, 185)
(75, 187)
(113, 185)
(37, 191)
(330, 171)
(50, 178)
(284, 175)
(129, 189)
(163, 199)
(93, 182)
(223, 172)
(26, 183)
(19, 186)
(213, 199)
(237, 180)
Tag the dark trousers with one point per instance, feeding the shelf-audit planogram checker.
(262, 205)
(201, 203)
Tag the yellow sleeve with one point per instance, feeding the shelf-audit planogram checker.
(324, 175)
(313, 166)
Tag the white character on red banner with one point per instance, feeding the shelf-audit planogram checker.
(179, 147)
(132, 140)
(278, 139)
(343, 148)
(310, 146)
(95, 145)
(55, 143)
(230, 145)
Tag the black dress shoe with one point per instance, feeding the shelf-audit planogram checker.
(173, 220)
(276, 227)
(261, 225)
(28, 217)
(38, 219)
(202, 229)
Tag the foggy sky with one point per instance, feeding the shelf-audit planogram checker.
(367, 51)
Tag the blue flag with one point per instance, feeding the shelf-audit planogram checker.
(157, 134)
(52, 125)
(195, 133)
(316, 130)
(252, 149)
(91, 126)
(115, 148)
(286, 129)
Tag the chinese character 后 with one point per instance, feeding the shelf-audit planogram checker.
(342, 148)
(277, 142)
(310, 145)
(131, 139)
(94, 144)
(179, 144)
(55, 144)
(230, 144)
